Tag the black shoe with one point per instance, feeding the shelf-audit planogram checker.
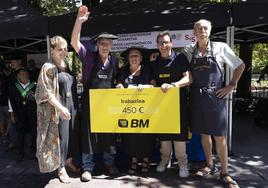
(20, 158)
(32, 156)
(10, 147)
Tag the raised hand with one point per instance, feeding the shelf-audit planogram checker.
(83, 13)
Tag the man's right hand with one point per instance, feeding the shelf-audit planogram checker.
(83, 13)
(13, 118)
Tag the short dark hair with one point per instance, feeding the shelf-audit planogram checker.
(162, 34)
(22, 69)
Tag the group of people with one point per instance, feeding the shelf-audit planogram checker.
(198, 71)
(18, 106)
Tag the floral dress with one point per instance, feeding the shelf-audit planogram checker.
(48, 141)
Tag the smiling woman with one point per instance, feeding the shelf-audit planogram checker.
(56, 97)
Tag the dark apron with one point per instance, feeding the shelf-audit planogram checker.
(207, 111)
(169, 74)
(96, 142)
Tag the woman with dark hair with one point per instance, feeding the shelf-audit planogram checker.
(136, 75)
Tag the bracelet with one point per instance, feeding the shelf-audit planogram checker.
(173, 83)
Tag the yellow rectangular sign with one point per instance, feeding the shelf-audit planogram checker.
(132, 111)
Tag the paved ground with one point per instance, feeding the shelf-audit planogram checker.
(248, 165)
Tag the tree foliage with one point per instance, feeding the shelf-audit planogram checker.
(53, 7)
(260, 56)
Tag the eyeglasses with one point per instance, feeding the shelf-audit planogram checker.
(163, 42)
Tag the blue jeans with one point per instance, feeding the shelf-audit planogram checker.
(88, 163)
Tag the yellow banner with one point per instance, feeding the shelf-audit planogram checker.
(132, 111)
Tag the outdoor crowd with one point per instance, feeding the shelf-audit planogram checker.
(44, 103)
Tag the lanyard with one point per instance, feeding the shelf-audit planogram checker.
(24, 92)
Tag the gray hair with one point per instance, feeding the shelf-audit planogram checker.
(203, 21)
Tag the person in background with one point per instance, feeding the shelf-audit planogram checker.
(262, 74)
(33, 70)
(208, 114)
(99, 70)
(136, 74)
(24, 110)
(16, 62)
(171, 70)
(56, 110)
(3, 103)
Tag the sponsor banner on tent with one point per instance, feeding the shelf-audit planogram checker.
(132, 111)
(180, 38)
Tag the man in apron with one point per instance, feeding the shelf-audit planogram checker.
(99, 71)
(207, 95)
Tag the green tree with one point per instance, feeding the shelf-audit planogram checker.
(53, 7)
(260, 56)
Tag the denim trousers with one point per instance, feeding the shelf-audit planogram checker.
(88, 163)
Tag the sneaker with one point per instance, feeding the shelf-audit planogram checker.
(86, 176)
(184, 172)
(161, 167)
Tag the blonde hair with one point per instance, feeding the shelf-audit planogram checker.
(56, 40)
(203, 21)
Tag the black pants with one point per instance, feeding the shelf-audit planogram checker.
(21, 136)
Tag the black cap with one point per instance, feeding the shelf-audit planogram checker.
(104, 35)
(22, 69)
(143, 51)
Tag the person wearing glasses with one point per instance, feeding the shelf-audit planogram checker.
(171, 70)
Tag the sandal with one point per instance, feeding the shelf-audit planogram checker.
(145, 166)
(206, 170)
(227, 180)
(133, 168)
(63, 176)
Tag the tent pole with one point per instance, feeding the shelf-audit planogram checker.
(48, 47)
(227, 80)
(232, 29)
(228, 74)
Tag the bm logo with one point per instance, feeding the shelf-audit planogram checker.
(134, 123)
